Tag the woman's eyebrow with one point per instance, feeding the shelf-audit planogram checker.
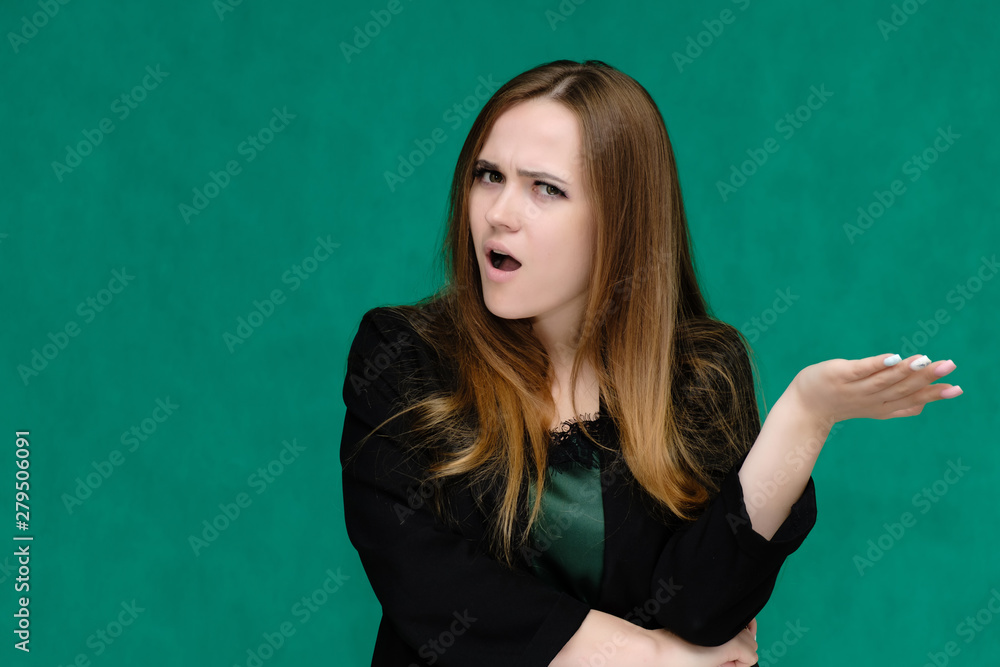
(540, 175)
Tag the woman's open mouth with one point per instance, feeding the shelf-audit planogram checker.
(503, 262)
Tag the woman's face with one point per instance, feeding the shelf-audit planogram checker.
(529, 201)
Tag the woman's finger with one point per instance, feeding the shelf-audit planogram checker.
(912, 404)
(905, 377)
(748, 644)
(861, 369)
(827, 391)
(916, 381)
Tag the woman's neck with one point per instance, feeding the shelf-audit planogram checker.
(588, 395)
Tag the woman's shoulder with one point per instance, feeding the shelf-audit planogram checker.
(383, 332)
(389, 348)
(384, 318)
(405, 321)
(393, 327)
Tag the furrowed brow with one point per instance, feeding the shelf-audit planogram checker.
(537, 175)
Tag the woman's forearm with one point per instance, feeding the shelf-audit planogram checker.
(608, 640)
(778, 466)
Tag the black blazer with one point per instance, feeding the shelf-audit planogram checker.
(446, 602)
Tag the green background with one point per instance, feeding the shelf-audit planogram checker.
(323, 177)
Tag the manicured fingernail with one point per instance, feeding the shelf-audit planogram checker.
(945, 367)
(952, 392)
(922, 362)
(893, 360)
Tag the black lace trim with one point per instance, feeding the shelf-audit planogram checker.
(570, 446)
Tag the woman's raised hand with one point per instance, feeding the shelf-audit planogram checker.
(841, 389)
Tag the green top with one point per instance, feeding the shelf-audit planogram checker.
(569, 536)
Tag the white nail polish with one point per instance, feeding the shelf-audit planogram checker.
(893, 360)
(922, 362)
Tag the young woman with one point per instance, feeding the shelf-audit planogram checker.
(558, 459)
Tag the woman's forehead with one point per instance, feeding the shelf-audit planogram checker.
(535, 136)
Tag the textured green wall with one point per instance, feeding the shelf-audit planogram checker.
(287, 135)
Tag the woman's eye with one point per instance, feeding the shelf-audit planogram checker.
(493, 176)
(489, 174)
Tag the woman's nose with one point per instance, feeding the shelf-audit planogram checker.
(504, 211)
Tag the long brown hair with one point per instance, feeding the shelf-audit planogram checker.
(674, 380)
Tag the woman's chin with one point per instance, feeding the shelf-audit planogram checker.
(506, 311)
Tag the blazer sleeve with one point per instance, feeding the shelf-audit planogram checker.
(449, 600)
(722, 570)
